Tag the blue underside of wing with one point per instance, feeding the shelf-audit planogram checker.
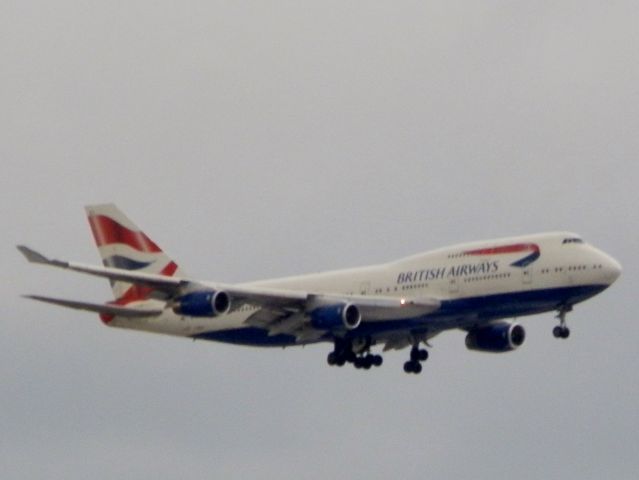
(484, 308)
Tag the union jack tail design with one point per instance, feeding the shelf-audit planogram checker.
(123, 245)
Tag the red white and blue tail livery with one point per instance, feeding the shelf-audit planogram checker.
(475, 287)
(122, 245)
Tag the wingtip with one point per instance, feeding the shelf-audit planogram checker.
(31, 255)
(37, 298)
(32, 297)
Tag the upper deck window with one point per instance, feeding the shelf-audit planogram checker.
(572, 240)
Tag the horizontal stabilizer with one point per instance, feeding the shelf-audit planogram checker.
(115, 310)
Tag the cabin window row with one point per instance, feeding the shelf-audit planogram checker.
(570, 268)
(487, 277)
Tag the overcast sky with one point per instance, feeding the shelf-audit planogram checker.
(260, 139)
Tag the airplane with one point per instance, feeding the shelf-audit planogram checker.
(475, 287)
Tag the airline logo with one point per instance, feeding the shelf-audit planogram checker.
(132, 250)
(530, 249)
(108, 232)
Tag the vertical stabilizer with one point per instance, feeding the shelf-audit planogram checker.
(123, 245)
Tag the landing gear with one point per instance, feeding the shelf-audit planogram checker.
(335, 359)
(561, 330)
(412, 367)
(343, 353)
(367, 361)
(358, 353)
(417, 356)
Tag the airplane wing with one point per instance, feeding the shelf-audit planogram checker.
(280, 310)
(174, 286)
(159, 282)
(98, 308)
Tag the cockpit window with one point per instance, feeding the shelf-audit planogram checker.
(572, 240)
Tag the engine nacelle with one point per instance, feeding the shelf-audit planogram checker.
(496, 337)
(328, 317)
(203, 304)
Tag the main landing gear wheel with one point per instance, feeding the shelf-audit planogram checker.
(367, 361)
(417, 356)
(343, 353)
(334, 359)
(337, 359)
(412, 366)
(561, 330)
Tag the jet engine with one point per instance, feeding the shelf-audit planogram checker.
(496, 337)
(203, 304)
(328, 317)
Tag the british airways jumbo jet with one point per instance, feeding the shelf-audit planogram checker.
(474, 287)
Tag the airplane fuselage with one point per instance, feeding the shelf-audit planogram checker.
(476, 283)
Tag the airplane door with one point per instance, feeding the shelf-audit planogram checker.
(527, 276)
(453, 285)
(364, 288)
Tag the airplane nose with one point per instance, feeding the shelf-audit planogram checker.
(612, 268)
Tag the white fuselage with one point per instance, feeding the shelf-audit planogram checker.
(476, 282)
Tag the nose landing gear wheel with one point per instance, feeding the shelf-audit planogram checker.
(561, 330)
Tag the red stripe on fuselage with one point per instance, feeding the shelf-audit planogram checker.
(138, 292)
(107, 231)
(517, 248)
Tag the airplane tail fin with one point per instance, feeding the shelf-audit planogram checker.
(123, 245)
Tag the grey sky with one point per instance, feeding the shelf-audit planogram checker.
(260, 139)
